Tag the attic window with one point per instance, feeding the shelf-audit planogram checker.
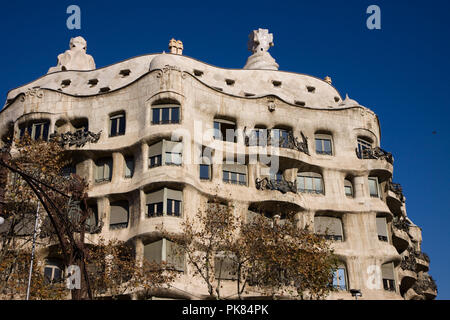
(198, 73)
(93, 82)
(300, 103)
(125, 72)
(276, 83)
(311, 89)
(65, 83)
(217, 88)
(230, 82)
(337, 99)
(104, 89)
(247, 94)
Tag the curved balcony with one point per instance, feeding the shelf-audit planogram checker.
(426, 286)
(400, 239)
(375, 153)
(422, 261)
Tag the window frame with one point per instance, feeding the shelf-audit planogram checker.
(314, 177)
(117, 119)
(322, 138)
(161, 108)
(378, 189)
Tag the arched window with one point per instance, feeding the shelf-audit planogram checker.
(53, 271)
(310, 182)
(348, 187)
(37, 130)
(165, 113)
(225, 130)
(119, 215)
(324, 144)
(329, 227)
(117, 124)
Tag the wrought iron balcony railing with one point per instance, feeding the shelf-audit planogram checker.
(397, 189)
(282, 185)
(375, 153)
(78, 138)
(401, 224)
(288, 141)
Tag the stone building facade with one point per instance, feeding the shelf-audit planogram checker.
(151, 136)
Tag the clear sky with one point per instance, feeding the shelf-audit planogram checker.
(402, 72)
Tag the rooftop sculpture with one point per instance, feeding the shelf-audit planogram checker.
(259, 42)
(75, 58)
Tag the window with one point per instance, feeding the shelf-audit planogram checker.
(281, 137)
(374, 187)
(118, 218)
(173, 153)
(348, 187)
(129, 167)
(167, 251)
(382, 229)
(340, 279)
(205, 172)
(324, 144)
(363, 144)
(117, 125)
(164, 202)
(103, 170)
(36, 131)
(387, 272)
(329, 227)
(92, 220)
(258, 137)
(235, 174)
(225, 266)
(225, 130)
(165, 114)
(310, 182)
(67, 171)
(53, 271)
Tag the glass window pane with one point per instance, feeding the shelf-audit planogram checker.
(217, 133)
(165, 115)
(177, 208)
(327, 146)
(175, 115)
(319, 146)
(45, 131)
(169, 207)
(122, 125)
(318, 185)
(37, 132)
(242, 179)
(301, 183)
(309, 184)
(226, 176)
(155, 115)
(348, 191)
(234, 177)
(373, 187)
(113, 130)
(204, 171)
(160, 209)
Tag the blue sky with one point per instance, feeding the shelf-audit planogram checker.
(402, 71)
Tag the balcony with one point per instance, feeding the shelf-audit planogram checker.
(281, 185)
(287, 140)
(426, 286)
(422, 261)
(78, 138)
(375, 153)
(400, 238)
